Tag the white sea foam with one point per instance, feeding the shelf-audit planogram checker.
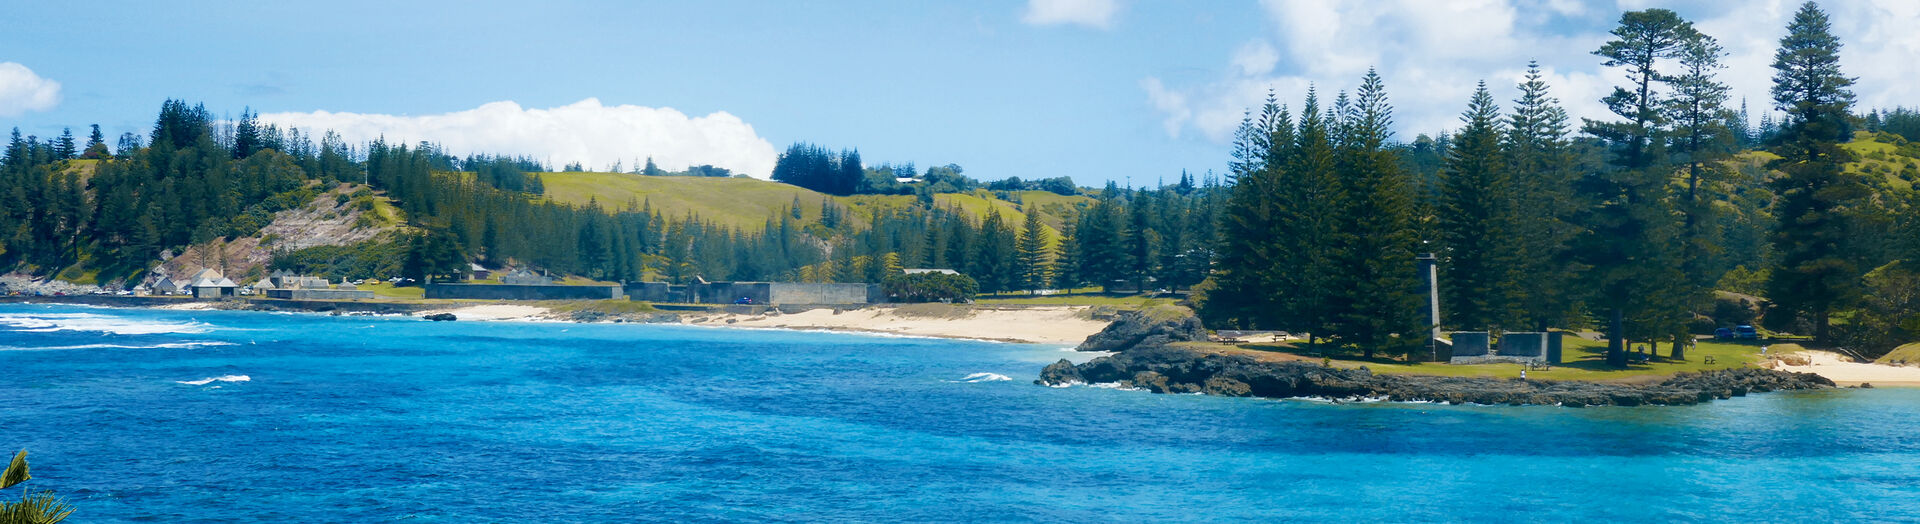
(51, 322)
(983, 377)
(210, 380)
(165, 345)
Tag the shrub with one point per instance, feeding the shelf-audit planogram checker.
(930, 287)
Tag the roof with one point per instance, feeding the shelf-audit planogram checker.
(208, 282)
(941, 271)
(207, 273)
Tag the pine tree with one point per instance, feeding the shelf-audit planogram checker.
(1478, 220)
(1033, 265)
(246, 135)
(1701, 142)
(994, 264)
(1628, 225)
(1066, 257)
(63, 148)
(1250, 245)
(1541, 163)
(1376, 272)
(1139, 240)
(1311, 211)
(1815, 272)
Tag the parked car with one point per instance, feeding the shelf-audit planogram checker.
(1723, 334)
(1745, 332)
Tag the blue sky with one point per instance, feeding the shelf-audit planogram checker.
(1094, 89)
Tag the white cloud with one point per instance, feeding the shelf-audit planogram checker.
(1256, 58)
(586, 131)
(1091, 13)
(21, 90)
(1432, 52)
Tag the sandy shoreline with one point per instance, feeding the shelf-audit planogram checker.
(1065, 325)
(1048, 325)
(1844, 371)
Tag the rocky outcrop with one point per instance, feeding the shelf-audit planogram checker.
(1146, 328)
(441, 317)
(1164, 369)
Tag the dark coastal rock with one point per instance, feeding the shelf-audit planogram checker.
(1164, 369)
(1060, 373)
(1132, 329)
(441, 317)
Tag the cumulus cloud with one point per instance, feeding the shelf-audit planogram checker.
(1432, 53)
(21, 90)
(588, 132)
(1091, 13)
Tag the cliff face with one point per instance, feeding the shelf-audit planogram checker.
(1163, 369)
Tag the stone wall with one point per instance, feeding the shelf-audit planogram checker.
(524, 292)
(783, 293)
(652, 292)
(823, 294)
(319, 294)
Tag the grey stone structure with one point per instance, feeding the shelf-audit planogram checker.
(795, 293)
(1515, 347)
(319, 294)
(653, 292)
(524, 292)
(1470, 344)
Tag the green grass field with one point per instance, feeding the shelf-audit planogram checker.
(390, 291)
(1074, 299)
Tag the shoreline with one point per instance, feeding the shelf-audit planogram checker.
(1052, 325)
(1065, 326)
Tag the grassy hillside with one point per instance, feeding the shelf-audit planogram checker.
(739, 202)
(747, 203)
(1885, 157)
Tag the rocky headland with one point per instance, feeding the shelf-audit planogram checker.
(1152, 364)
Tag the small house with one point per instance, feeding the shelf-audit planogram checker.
(166, 286)
(478, 272)
(210, 288)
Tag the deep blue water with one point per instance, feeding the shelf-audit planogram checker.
(369, 419)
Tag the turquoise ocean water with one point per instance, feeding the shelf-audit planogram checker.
(202, 416)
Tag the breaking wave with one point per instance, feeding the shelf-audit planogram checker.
(167, 345)
(210, 380)
(51, 322)
(983, 377)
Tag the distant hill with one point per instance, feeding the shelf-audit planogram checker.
(747, 203)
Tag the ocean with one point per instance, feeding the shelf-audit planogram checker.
(214, 416)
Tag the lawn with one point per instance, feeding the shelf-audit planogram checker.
(1074, 299)
(1582, 359)
(388, 290)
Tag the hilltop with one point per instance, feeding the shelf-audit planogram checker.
(747, 203)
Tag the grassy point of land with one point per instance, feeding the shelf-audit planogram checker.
(1075, 299)
(1583, 359)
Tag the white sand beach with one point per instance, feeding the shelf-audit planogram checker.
(1040, 325)
(1844, 371)
(495, 312)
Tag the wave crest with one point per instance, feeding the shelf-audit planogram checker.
(210, 380)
